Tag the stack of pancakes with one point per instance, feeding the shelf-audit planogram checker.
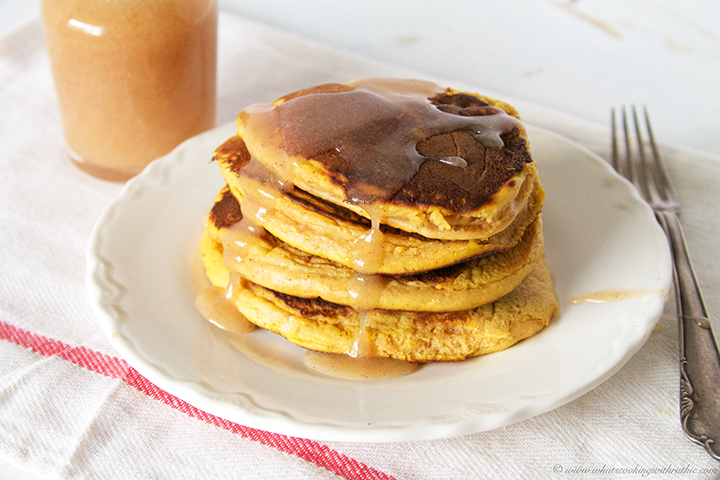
(383, 218)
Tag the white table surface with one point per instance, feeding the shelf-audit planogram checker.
(579, 57)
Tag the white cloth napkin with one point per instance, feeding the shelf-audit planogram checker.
(70, 408)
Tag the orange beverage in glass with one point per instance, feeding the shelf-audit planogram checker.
(134, 78)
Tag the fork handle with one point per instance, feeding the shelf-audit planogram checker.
(699, 357)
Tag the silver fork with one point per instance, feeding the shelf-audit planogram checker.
(699, 358)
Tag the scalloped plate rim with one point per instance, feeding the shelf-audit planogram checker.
(161, 172)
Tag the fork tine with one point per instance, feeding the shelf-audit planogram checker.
(620, 161)
(625, 167)
(615, 152)
(648, 178)
(629, 170)
(660, 167)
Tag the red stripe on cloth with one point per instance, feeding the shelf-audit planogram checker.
(114, 367)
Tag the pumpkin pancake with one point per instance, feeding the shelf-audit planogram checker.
(438, 162)
(411, 336)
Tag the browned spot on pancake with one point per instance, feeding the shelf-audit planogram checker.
(226, 212)
(463, 190)
(325, 208)
(461, 100)
(317, 308)
(334, 165)
(234, 152)
(438, 276)
(338, 212)
(311, 307)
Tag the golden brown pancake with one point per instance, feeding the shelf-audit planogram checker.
(438, 162)
(271, 263)
(412, 336)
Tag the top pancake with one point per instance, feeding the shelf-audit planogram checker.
(437, 162)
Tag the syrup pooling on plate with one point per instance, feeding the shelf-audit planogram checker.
(217, 305)
(367, 368)
(609, 296)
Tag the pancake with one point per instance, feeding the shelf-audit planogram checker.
(438, 162)
(271, 263)
(411, 336)
(321, 228)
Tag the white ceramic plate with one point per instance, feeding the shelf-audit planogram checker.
(599, 235)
